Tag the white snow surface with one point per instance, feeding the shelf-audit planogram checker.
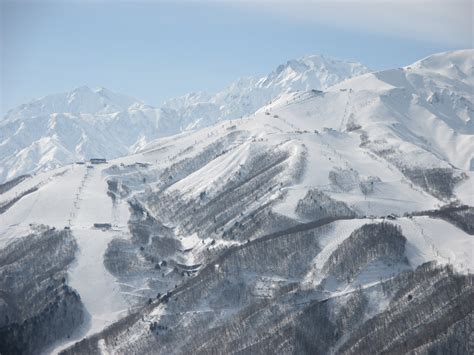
(423, 111)
(75, 196)
(86, 123)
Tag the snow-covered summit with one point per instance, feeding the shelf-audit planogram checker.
(428, 105)
(312, 72)
(435, 91)
(62, 128)
(82, 100)
(247, 95)
(457, 65)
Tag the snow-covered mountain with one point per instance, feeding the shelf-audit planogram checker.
(82, 100)
(247, 95)
(335, 221)
(63, 128)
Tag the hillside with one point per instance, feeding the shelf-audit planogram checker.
(329, 221)
(84, 123)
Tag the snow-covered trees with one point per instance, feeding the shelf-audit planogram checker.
(371, 242)
(36, 306)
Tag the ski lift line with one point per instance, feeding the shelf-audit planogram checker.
(345, 113)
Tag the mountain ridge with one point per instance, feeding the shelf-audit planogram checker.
(92, 113)
(332, 221)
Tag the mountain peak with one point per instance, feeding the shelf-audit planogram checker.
(82, 89)
(455, 64)
(246, 95)
(314, 71)
(81, 100)
(322, 62)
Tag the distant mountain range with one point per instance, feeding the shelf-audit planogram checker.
(63, 128)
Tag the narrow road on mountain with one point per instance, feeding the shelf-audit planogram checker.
(298, 228)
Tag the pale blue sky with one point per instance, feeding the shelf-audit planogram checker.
(157, 50)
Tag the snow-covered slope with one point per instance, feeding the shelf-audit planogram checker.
(81, 100)
(85, 123)
(327, 222)
(249, 94)
(64, 128)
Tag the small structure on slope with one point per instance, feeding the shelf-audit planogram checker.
(103, 226)
(98, 161)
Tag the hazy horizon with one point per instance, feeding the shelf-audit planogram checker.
(154, 50)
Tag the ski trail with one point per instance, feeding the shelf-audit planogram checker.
(99, 290)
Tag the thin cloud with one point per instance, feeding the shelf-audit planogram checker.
(438, 21)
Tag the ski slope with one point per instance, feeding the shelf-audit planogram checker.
(76, 197)
(363, 142)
